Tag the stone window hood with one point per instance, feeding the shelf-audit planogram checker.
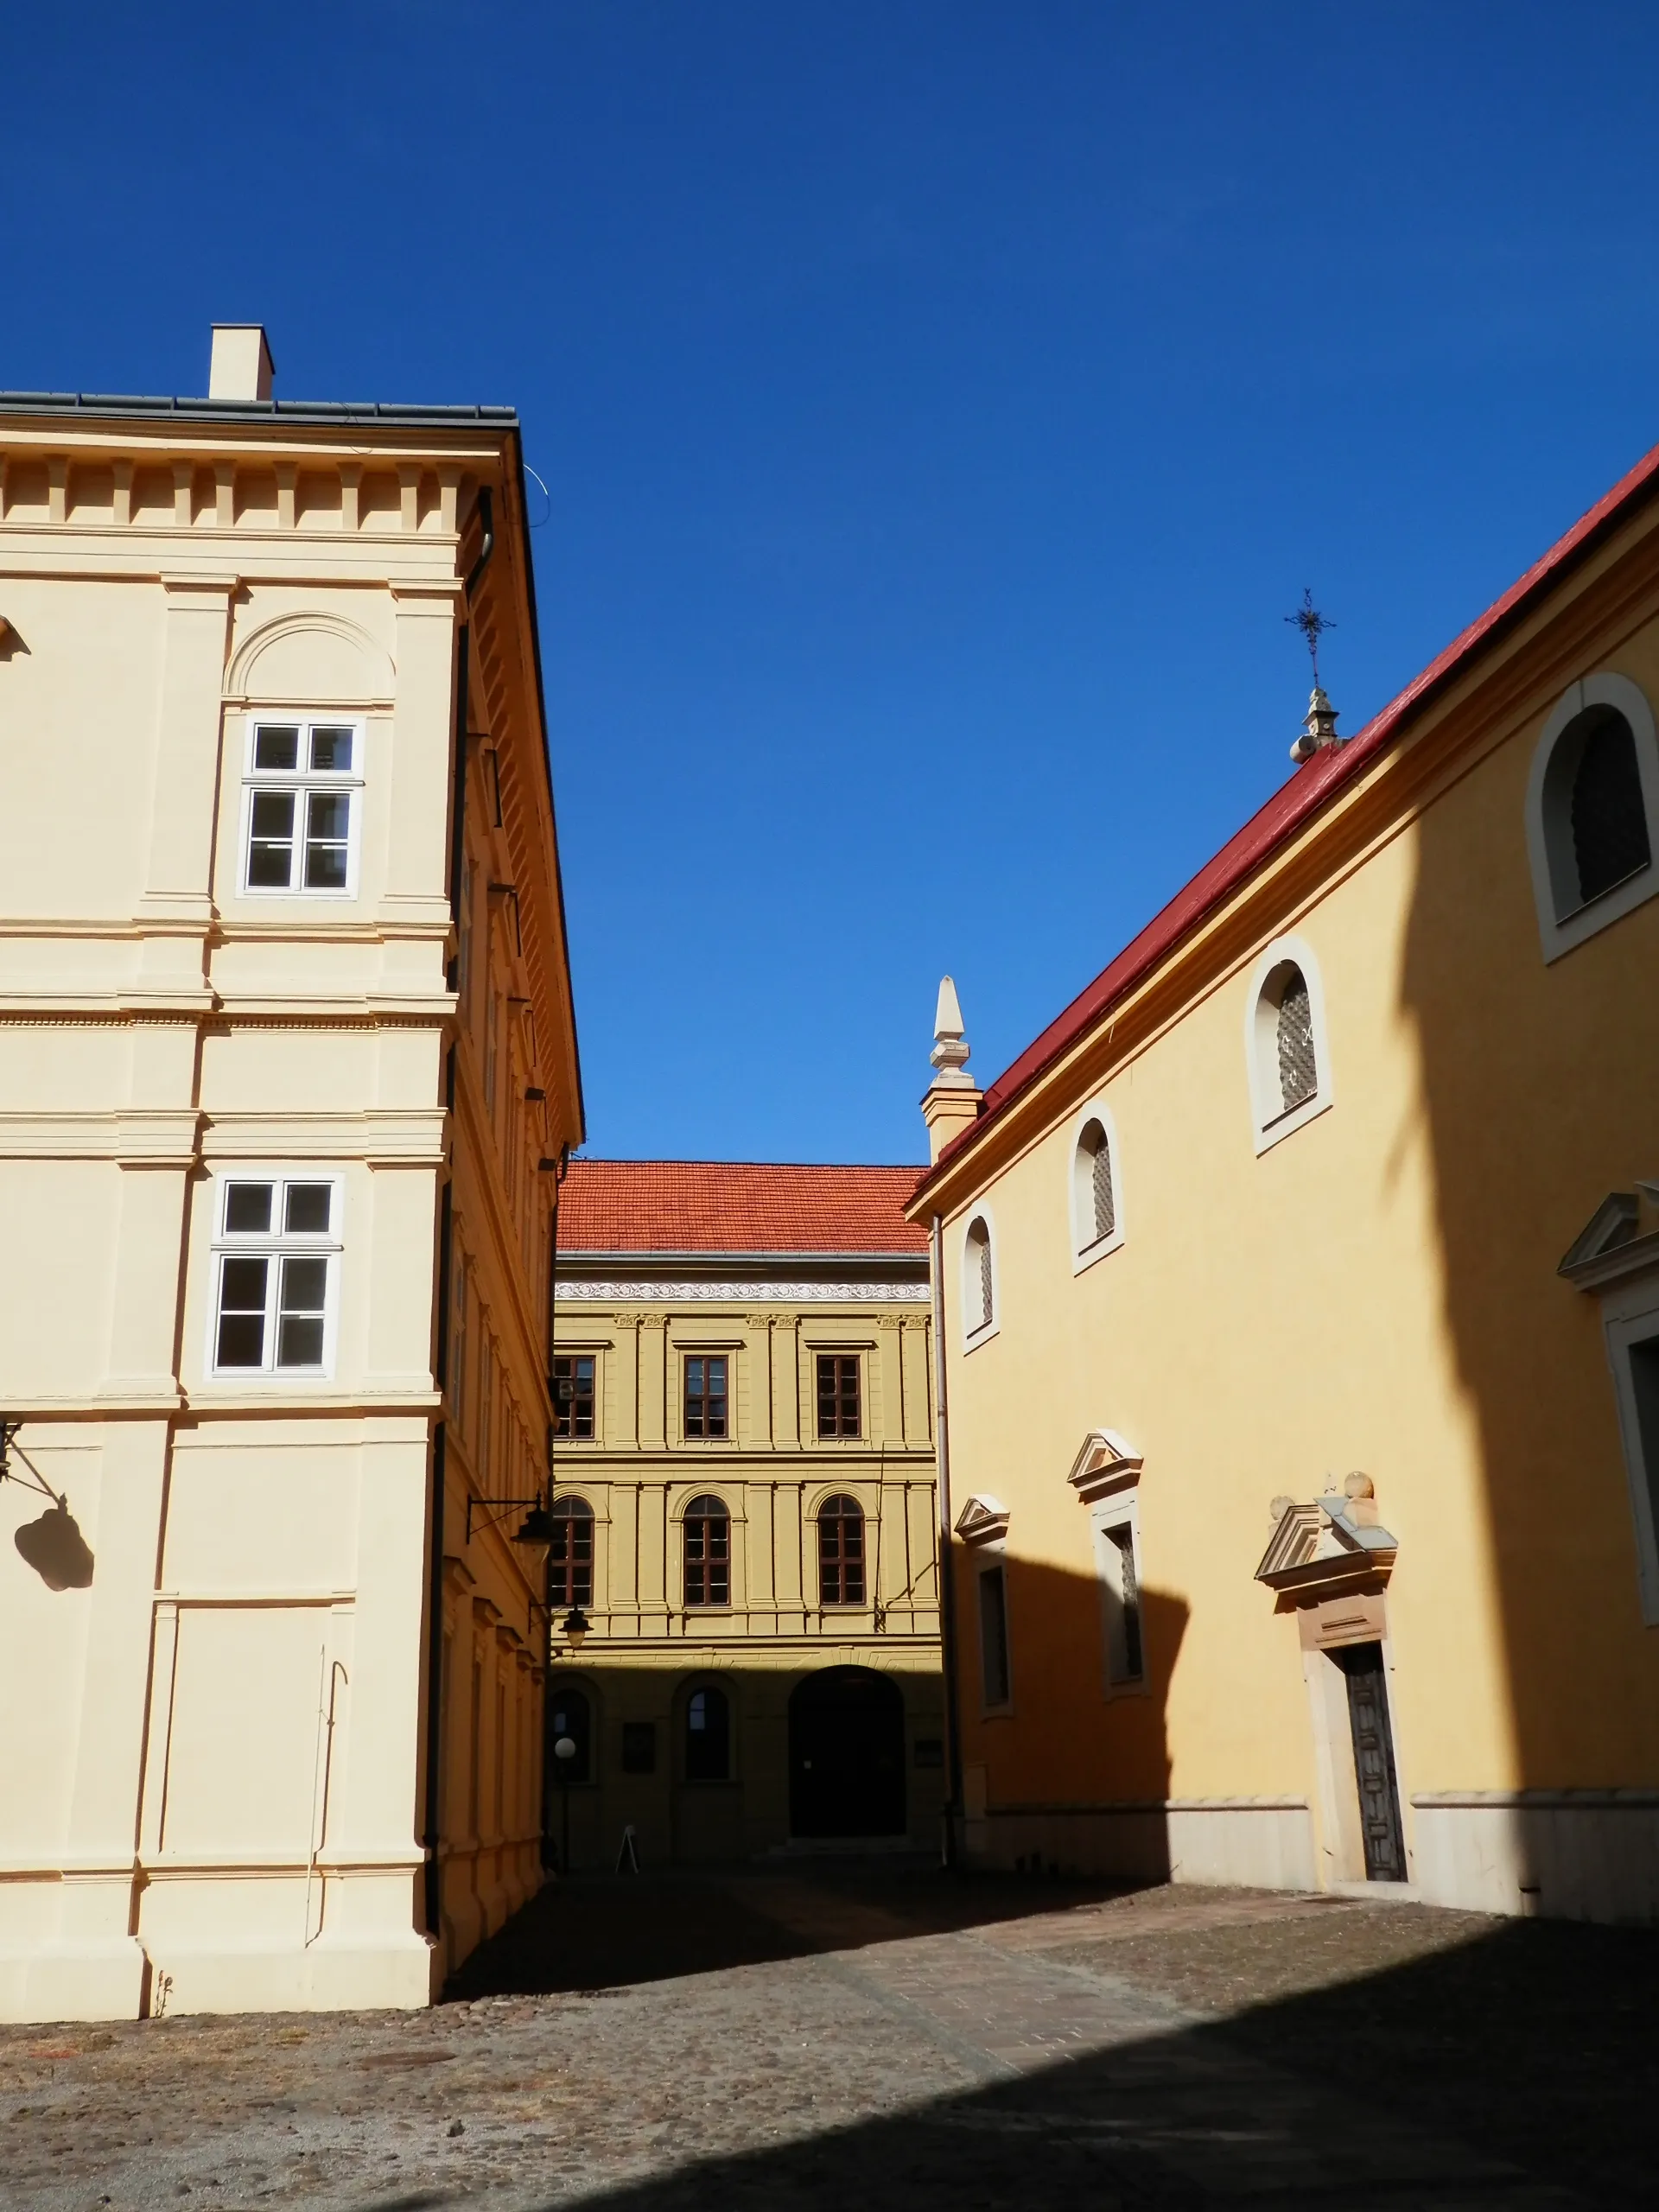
(1106, 1462)
(1328, 1548)
(983, 1519)
(1620, 1239)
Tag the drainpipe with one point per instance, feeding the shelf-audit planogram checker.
(432, 1825)
(947, 1564)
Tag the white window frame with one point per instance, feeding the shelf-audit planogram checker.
(301, 781)
(981, 1333)
(1108, 1518)
(1630, 1315)
(1269, 1119)
(1550, 839)
(1086, 1246)
(277, 1244)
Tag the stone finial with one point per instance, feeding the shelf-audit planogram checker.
(950, 1053)
(952, 1099)
(1279, 1507)
(1358, 1485)
(1319, 727)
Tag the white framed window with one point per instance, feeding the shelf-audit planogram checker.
(1592, 811)
(276, 1251)
(1097, 1202)
(980, 1312)
(995, 1666)
(1115, 1526)
(1287, 1051)
(301, 804)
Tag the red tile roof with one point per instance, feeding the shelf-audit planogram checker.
(717, 1205)
(1296, 801)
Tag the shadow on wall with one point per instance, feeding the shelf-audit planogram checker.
(1539, 1083)
(1064, 1741)
(1515, 2070)
(711, 1764)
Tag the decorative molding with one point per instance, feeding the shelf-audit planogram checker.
(1612, 1246)
(983, 1519)
(1107, 1462)
(1326, 1547)
(377, 683)
(745, 1293)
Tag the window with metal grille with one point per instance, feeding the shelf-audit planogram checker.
(1125, 1661)
(276, 1253)
(707, 1737)
(573, 1397)
(705, 1397)
(1610, 827)
(1096, 1198)
(1299, 1076)
(838, 1411)
(707, 1541)
(570, 1554)
(841, 1552)
(977, 1289)
(301, 788)
(993, 1636)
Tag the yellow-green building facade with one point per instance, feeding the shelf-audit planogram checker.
(746, 1517)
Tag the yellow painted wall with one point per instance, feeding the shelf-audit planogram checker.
(1378, 1291)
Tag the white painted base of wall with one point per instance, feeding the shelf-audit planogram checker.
(1565, 1854)
(1254, 1843)
(89, 1981)
(325, 1978)
(1562, 1854)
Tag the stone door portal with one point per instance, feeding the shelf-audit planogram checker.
(1379, 1796)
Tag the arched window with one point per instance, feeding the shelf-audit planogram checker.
(707, 1736)
(1290, 1077)
(569, 1715)
(708, 1553)
(1096, 1226)
(978, 1282)
(571, 1554)
(841, 1552)
(1593, 809)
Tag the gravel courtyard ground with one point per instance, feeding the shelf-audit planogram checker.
(842, 2038)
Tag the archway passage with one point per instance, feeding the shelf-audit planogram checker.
(846, 1755)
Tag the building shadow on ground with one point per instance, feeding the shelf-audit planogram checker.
(609, 1931)
(1520, 2069)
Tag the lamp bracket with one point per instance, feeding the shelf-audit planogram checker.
(493, 1520)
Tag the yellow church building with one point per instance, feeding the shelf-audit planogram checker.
(1300, 1433)
(287, 1064)
(744, 1583)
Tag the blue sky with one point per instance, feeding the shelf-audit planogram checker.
(941, 404)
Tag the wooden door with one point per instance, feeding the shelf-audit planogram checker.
(1379, 1797)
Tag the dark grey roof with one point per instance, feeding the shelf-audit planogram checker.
(252, 410)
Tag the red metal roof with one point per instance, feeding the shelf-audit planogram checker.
(717, 1205)
(1295, 803)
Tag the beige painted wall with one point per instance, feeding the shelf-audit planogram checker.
(216, 1793)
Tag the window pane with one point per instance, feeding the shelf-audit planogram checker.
(330, 815)
(247, 1212)
(1609, 829)
(325, 868)
(270, 857)
(1105, 1209)
(270, 868)
(273, 814)
(276, 745)
(242, 1312)
(331, 749)
(299, 1328)
(306, 1209)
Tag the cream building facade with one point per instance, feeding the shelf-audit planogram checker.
(287, 1062)
(1301, 1314)
(748, 1514)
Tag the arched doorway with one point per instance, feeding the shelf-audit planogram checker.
(846, 1755)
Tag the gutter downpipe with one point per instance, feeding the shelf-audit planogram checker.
(432, 1823)
(948, 1854)
(559, 1174)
